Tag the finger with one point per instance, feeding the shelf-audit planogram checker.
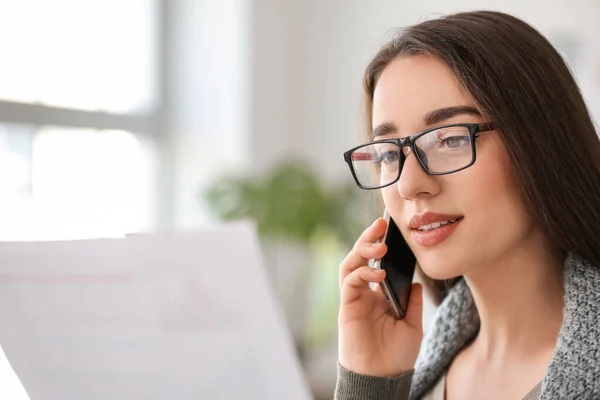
(373, 233)
(414, 314)
(364, 249)
(358, 280)
(359, 256)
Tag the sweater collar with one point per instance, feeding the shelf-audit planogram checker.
(575, 365)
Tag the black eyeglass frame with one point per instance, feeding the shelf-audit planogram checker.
(474, 130)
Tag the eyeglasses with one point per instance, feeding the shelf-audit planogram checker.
(440, 151)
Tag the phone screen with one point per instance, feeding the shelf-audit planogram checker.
(399, 264)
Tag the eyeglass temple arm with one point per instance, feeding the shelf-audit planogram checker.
(362, 156)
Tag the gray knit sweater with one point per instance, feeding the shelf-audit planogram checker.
(573, 373)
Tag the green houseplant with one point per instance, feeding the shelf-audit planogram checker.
(291, 202)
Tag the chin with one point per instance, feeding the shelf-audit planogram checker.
(441, 267)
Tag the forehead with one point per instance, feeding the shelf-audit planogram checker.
(410, 87)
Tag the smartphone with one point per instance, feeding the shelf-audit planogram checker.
(399, 264)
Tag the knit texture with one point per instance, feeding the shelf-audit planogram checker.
(573, 373)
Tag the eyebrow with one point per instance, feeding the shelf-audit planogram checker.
(431, 118)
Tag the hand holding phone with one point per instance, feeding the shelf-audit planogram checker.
(372, 341)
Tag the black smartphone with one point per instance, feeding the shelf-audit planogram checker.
(399, 264)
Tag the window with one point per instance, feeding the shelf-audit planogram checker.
(59, 182)
(91, 55)
(78, 90)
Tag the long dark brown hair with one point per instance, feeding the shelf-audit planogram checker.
(522, 83)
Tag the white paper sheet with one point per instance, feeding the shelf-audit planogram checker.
(169, 316)
(10, 385)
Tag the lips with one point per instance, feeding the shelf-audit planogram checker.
(429, 218)
(432, 237)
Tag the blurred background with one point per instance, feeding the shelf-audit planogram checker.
(124, 116)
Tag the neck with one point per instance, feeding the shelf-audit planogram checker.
(520, 300)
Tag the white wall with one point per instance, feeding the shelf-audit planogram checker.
(206, 122)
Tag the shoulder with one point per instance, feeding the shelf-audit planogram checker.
(582, 282)
(582, 302)
(575, 367)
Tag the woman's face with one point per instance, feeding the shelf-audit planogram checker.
(493, 221)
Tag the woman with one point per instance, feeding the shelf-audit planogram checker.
(500, 202)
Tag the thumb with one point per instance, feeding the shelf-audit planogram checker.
(414, 314)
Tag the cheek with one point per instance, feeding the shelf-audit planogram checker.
(485, 188)
(496, 214)
(391, 197)
(489, 188)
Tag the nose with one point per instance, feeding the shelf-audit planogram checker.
(407, 150)
(414, 182)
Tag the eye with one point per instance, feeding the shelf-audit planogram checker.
(452, 138)
(389, 156)
(454, 142)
